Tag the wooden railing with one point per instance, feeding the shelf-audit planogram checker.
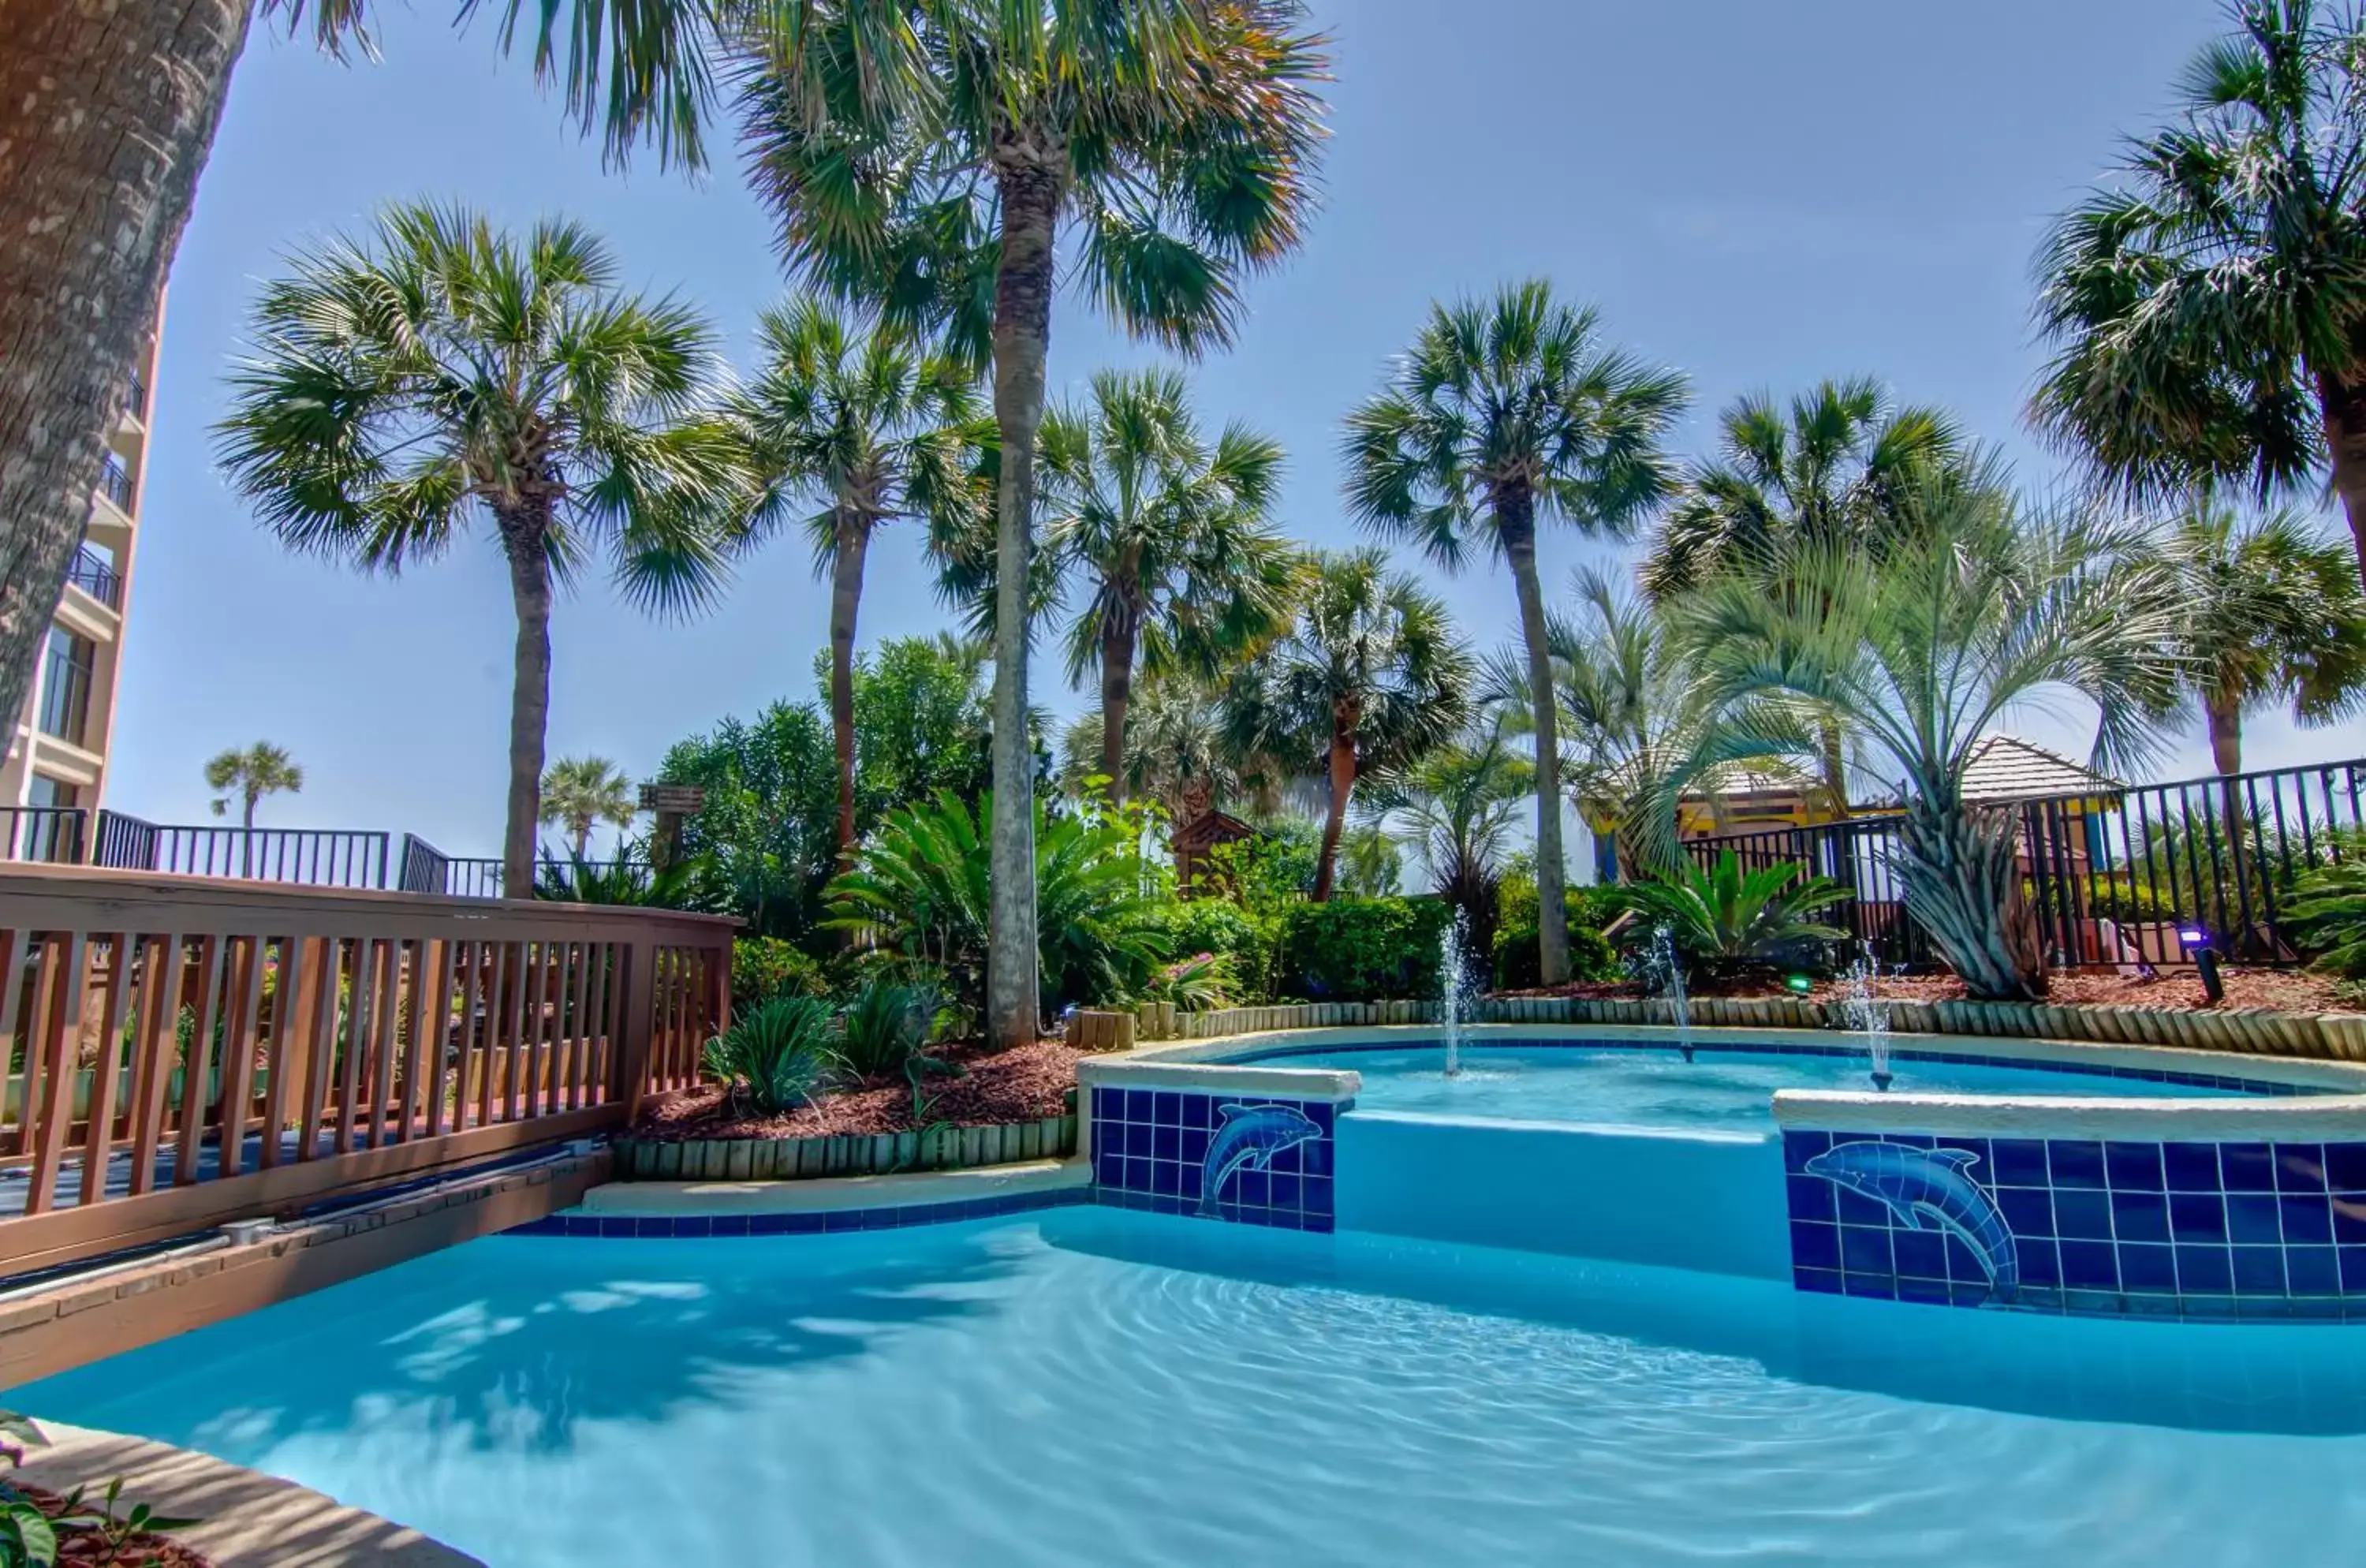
(183, 1052)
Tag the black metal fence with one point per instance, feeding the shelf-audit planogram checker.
(48, 834)
(2111, 878)
(320, 857)
(426, 869)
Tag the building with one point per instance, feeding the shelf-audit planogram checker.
(55, 770)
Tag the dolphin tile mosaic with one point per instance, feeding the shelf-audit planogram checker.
(1243, 1157)
(2205, 1230)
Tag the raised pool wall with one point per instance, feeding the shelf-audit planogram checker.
(2207, 1209)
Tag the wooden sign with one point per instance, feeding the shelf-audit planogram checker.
(685, 800)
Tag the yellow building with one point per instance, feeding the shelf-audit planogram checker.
(56, 766)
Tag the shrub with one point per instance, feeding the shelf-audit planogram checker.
(886, 1028)
(2329, 910)
(763, 967)
(1201, 983)
(1517, 959)
(776, 1054)
(1247, 942)
(1353, 949)
(1724, 921)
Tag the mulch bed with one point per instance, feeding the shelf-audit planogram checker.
(86, 1549)
(1025, 1084)
(2292, 990)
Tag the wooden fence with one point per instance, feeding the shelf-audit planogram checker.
(183, 1051)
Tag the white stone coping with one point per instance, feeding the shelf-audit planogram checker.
(1152, 1069)
(836, 1193)
(2311, 1119)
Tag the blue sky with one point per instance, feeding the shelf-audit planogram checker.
(1759, 194)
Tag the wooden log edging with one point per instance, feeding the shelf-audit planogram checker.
(2265, 1031)
(883, 1154)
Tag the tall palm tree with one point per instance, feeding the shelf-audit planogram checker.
(1174, 739)
(247, 776)
(1371, 677)
(2272, 616)
(936, 167)
(104, 127)
(1457, 806)
(2205, 305)
(871, 426)
(1506, 414)
(1180, 571)
(1977, 609)
(442, 371)
(581, 793)
(1832, 465)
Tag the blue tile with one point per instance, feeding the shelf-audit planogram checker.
(1137, 1174)
(2146, 1267)
(2248, 1167)
(2306, 1218)
(2028, 1211)
(2348, 1217)
(2139, 1216)
(2203, 1270)
(1826, 1281)
(2018, 1162)
(2345, 1167)
(1928, 1291)
(1864, 1250)
(1922, 1254)
(693, 1226)
(1167, 1142)
(1114, 1138)
(2134, 1168)
(2313, 1270)
(2191, 1168)
(1166, 1178)
(1252, 1189)
(1855, 1209)
(1109, 1168)
(2197, 1216)
(2259, 1270)
(1963, 1263)
(2082, 1214)
(2041, 1264)
(2075, 1164)
(2088, 1265)
(1198, 1112)
(1878, 1285)
(1811, 1197)
(2254, 1217)
(2353, 1271)
(1799, 1147)
(2300, 1168)
(1815, 1246)
(1316, 1156)
(1166, 1108)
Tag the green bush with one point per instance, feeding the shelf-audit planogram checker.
(763, 967)
(1248, 943)
(1354, 950)
(2329, 910)
(1725, 920)
(1590, 957)
(774, 1055)
(886, 1028)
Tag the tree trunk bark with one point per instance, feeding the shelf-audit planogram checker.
(1030, 180)
(1835, 770)
(2343, 408)
(1963, 886)
(1516, 525)
(108, 109)
(2226, 723)
(582, 842)
(1116, 689)
(247, 838)
(845, 603)
(524, 540)
(1335, 818)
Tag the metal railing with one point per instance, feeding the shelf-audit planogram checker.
(95, 576)
(2111, 877)
(50, 834)
(180, 1054)
(135, 389)
(115, 482)
(319, 857)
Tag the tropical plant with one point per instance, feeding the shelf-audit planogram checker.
(2329, 911)
(774, 1055)
(765, 836)
(1246, 945)
(1175, 743)
(935, 167)
(581, 793)
(91, 171)
(1181, 573)
(763, 967)
(920, 723)
(2205, 305)
(441, 371)
(1371, 863)
(248, 776)
(1353, 949)
(1370, 677)
(1980, 608)
(630, 882)
(920, 885)
(1722, 919)
(851, 429)
(1457, 806)
(884, 1028)
(1201, 983)
(116, 1530)
(1506, 413)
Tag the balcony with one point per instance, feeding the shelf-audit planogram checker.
(115, 483)
(91, 573)
(136, 397)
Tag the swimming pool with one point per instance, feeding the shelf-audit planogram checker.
(1088, 1386)
(1655, 1087)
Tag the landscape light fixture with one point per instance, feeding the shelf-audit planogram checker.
(2205, 960)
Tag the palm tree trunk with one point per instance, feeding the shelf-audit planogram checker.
(522, 539)
(1335, 818)
(1117, 690)
(845, 603)
(2343, 406)
(246, 838)
(108, 109)
(1835, 769)
(1963, 886)
(1516, 525)
(1029, 177)
(2226, 722)
(582, 841)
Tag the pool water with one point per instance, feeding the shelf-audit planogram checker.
(1634, 1086)
(1085, 1386)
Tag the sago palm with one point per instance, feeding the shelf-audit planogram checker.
(2206, 306)
(442, 372)
(1505, 415)
(1979, 609)
(581, 793)
(1370, 677)
(938, 159)
(1724, 920)
(851, 429)
(1166, 534)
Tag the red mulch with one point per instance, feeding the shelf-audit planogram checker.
(87, 1548)
(2292, 990)
(1020, 1085)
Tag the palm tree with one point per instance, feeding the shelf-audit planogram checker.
(1457, 806)
(442, 371)
(247, 776)
(1181, 573)
(581, 793)
(1370, 678)
(2206, 305)
(935, 167)
(871, 426)
(1175, 738)
(103, 131)
(1506, 414)
(1975, 609)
